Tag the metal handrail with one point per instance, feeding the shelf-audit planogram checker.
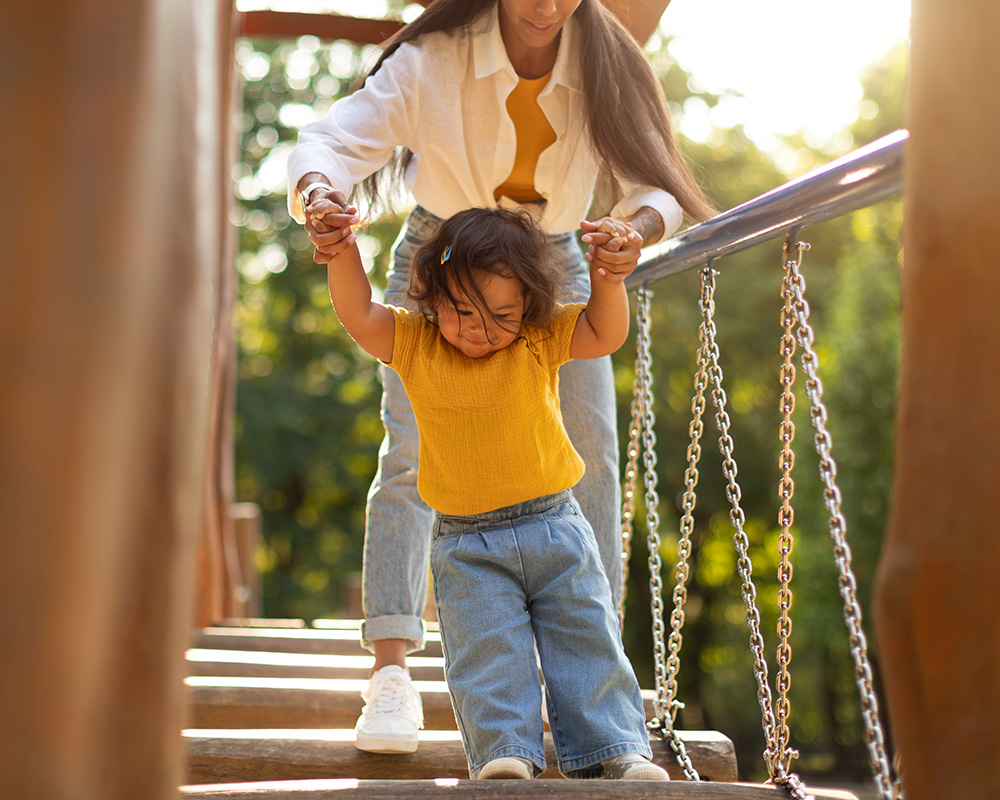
(859, 179)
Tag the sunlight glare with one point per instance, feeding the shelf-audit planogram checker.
(796, 64)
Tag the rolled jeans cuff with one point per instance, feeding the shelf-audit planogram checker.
(393, 627)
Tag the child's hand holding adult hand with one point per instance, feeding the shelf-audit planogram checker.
(614, 247)
(329, 218)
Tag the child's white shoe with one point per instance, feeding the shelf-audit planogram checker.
(633, 767)
(510, 767)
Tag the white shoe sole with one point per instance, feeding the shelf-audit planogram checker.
(505, 768)
(387, 742)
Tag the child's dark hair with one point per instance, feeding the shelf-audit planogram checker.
(496, 241)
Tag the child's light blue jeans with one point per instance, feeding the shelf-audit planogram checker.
(522, 577)
(398, 524)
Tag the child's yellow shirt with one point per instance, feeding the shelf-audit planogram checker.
(491, 432)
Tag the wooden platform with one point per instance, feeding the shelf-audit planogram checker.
(270, 754)
(348, 789)
(272, 711)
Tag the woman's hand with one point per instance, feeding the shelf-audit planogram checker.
(614, 247)
(329, 218)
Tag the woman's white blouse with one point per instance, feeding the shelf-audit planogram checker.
(444, 97)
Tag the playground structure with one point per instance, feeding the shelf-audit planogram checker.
(115, 297)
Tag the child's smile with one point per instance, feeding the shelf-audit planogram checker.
(479, 332)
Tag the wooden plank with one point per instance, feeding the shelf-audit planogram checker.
(268, 755)
(343, 641)
(349, 788)
(268, 702)
(258, 622)
(215, 702)
(261, 664)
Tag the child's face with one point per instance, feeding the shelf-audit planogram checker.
(474, 333)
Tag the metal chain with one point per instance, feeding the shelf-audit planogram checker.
(838, 528)
(682, 571)
(776, 769)
(628, 492)
(784, 754)
(664, 703)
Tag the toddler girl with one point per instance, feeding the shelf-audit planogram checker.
(515, 563)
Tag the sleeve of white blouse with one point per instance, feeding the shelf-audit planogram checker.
(360, 131)
(637, 196)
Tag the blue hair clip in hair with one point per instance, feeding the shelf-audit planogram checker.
(446, 254)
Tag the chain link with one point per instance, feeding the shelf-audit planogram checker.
(786, 517)
(628, 492)
(772, 757)
(733, 494)
(838, 529)
(664, 703)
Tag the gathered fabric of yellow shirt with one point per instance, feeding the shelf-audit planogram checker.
(491, 432)
(534, 134)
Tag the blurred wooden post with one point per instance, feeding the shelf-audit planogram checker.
(640, 16)
(938, 600)
(246, 597)
(112, 234)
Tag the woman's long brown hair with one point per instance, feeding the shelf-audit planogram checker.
(626, 111)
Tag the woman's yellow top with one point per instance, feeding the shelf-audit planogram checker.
(491, 432)
(534, 134)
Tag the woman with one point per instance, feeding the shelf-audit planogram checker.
(495, 102)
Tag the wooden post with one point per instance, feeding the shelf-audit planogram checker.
(938, 600)
(112, 228)
(640, 16)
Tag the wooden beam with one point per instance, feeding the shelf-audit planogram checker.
(215, 756)
(290, 25)
(352, 789)
(938, 598)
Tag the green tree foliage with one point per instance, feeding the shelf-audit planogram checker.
(308, 425)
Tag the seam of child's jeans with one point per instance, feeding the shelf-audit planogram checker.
(447, 660)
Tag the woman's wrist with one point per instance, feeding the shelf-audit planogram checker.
(648, 223)
(308, 190)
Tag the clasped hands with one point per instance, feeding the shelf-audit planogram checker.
(329, 218)
(614, 247)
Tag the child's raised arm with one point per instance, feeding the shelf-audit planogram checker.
(603, 326)
(370, 324)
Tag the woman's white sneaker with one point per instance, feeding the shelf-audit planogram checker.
(392, 714)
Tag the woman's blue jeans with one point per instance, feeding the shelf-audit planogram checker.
(511, 580)
(398, 524)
